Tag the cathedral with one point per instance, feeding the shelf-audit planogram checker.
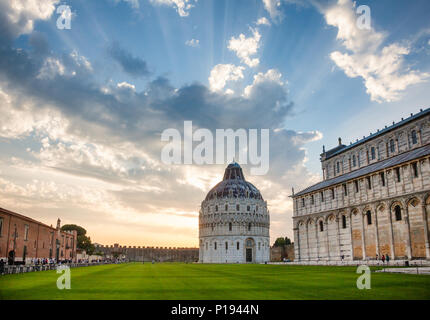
(374, 199)
(234, 222)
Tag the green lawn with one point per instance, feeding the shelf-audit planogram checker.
(205, 281)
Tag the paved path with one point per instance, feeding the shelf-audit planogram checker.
(418, 270)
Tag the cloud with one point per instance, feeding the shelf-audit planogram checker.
(182, 6)
(245, 47)
(272, 7)
(263, 21)
(18, 17)
(222, 73)
(382, 67)
(134, 66)
(83, 133)
(192, 43)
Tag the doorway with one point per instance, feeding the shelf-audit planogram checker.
(249, 250)
(248, 254)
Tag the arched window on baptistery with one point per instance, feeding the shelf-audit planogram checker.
(321, 226)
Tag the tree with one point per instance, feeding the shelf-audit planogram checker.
(280, 242)
(84, 242)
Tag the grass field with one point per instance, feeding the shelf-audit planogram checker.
(201, 281)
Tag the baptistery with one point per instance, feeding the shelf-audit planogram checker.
(234, 222)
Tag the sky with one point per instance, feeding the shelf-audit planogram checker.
(83, 108)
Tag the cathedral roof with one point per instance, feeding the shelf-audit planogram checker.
(384, 164)
(234, 185)
(342, 148)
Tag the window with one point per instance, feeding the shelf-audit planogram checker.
(303, 202)
(338, 167)
(1, 226)
(414, 137)
(322, 196)
(249, 226)
(215, 246)
(256, 208)
(354, 161)
(226, 245)
(216, 208)
(356, 186)
(259, 245)
(392, 148)
(226, 207)
(230, 226)
(369, 217)
(334, 170)
(312, 199)
(372, 153)
(398, 213)
(382, 179)
(343, 222)
(332, 193)
(26, 232)
(345, 189)
(415, 168)
(358, 160)
(248, 208)
(369, 183)
(237, 245)
(321, 226)
(237, 207)
(398, 174)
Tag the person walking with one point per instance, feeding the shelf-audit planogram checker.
(1, 267)
(383, 258)
(388, 258)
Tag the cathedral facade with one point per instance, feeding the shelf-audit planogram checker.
(374, 199)
(234, 222)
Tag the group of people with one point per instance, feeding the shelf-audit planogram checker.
(42, 261)
(384, 257)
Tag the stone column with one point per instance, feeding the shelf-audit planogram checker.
(376, 232)
(350, 234)
(390, 220)
(408, 243)
(318, 241)
(426, 230)
(338, 236)
(297, 240)
(327, 243)
(363, 242)
(307, 242)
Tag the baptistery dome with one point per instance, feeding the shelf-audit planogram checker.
(234, 222)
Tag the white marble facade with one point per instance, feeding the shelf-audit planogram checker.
(374, 199)
(234, 222)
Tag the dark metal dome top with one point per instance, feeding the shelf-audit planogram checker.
(234, 185)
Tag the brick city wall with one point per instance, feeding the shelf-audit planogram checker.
(147, 254)
(279, 253)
